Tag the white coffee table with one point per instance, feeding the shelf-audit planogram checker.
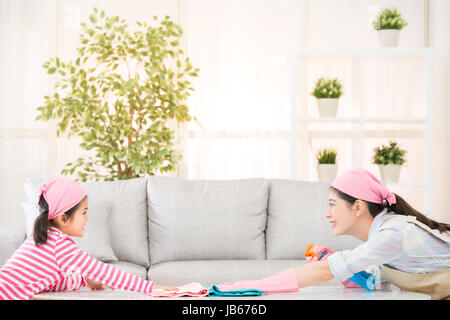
(321, 292)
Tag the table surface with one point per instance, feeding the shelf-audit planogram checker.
(322, 292)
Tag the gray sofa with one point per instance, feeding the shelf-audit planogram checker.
(175, 231)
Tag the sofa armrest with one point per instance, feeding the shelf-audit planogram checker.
(10, 240)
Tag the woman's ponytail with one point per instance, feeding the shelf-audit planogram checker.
(404, 208)
(41, 224)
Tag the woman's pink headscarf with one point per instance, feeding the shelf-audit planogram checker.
(61, 195)
(363, 185)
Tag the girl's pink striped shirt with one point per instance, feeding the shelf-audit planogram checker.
(60, 265)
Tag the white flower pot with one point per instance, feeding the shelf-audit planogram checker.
(327, 172)
(389, 37)
(390, 173)
(328, 107)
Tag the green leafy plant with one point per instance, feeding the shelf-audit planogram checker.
(391, 154)
(326, 156)
(389, 18)
(121, 95)
(327, 88)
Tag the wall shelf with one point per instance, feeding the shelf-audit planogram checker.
(360, 126)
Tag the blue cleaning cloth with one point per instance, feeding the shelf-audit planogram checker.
(214, 291)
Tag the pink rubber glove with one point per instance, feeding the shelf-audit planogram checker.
(284, 281)
(350, 284)
(318, 250)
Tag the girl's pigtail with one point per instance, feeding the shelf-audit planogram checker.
(41, 223)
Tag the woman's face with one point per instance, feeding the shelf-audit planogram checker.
(339, 214)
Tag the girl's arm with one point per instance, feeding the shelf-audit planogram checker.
(73, 260)
(69, 282)
(313, 273)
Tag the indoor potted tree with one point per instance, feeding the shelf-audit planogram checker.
(326, 164)
(327, 91)
(121, 94)
(388, 23)
(389, 160)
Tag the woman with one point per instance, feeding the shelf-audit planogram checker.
(412, 250)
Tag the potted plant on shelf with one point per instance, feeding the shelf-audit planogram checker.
(327, 91)
(389, 159)
(326, 164)
(388, 23)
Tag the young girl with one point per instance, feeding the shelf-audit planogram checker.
(412, 250)
(49, 260)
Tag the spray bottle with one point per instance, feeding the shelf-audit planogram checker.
(362, 278)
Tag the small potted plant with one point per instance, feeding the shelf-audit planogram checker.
(327, 91)
(389, 159)
(326, 164)
(388, 23)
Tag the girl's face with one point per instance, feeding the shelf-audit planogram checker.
(339, 214)
(74, 226)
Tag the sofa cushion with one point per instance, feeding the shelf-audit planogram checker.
(206, 219)
(132, 268)
(96, 239)
(29, 205)
(128, 216)
(296, 218)
(10, 240)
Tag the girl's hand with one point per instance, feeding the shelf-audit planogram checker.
(94, 285)
(167, 288)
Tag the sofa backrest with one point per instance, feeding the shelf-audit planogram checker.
(206, 219)
(127, 202)
(158, 219)
(296, 218)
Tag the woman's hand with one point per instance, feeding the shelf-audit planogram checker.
(318, 250)
(167, 288)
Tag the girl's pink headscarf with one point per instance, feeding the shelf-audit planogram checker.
(363, 185)
(61, 195)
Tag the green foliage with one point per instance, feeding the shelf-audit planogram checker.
(389, 18)
(391, 154)
(327, 88)
(326, 156)
(119, 95)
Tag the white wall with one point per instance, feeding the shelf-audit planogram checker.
(440, 41)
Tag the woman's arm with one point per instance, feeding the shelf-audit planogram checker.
(313, 273)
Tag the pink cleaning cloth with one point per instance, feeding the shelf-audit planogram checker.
(61, 195)
(363, 185)
(318, 250)
(193, 289)
(284, 281)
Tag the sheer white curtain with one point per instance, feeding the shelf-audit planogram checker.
(27, 38)
(440, 41)
(31, 31)
(242, 96)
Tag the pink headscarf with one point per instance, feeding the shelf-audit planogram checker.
(363, 185)
(61, 195)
